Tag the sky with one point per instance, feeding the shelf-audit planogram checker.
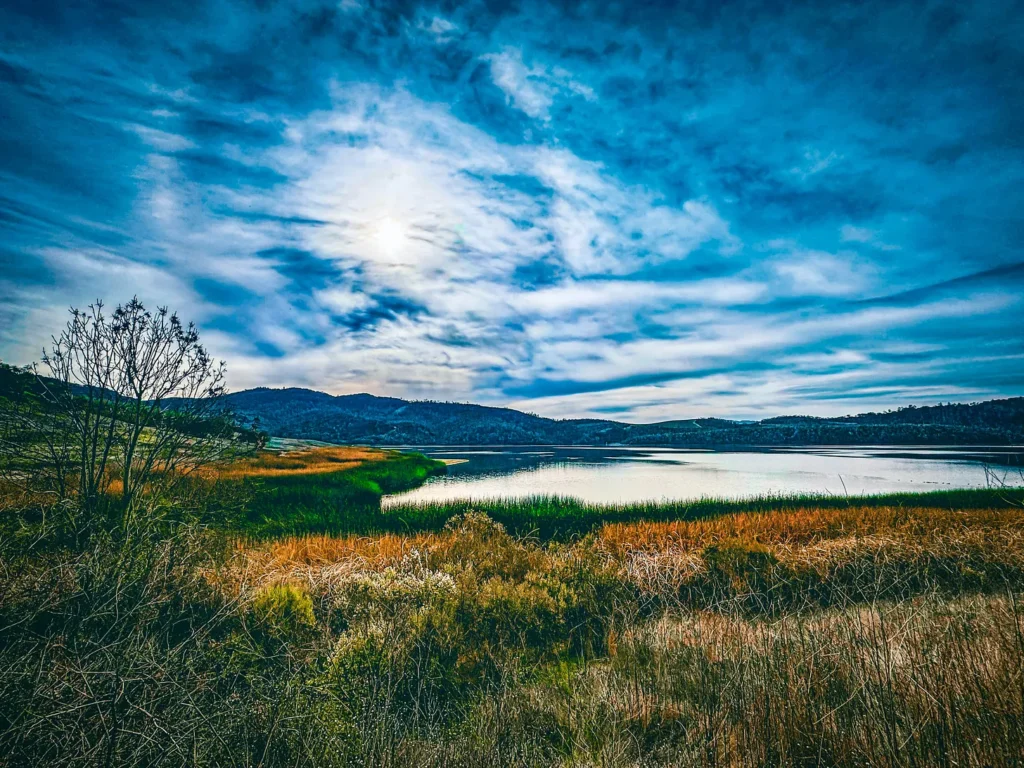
(626, 210)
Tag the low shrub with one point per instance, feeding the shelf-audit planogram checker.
(742, 574)
(284, 610)
(844, 638)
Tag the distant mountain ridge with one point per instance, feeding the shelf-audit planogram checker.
(389, 421)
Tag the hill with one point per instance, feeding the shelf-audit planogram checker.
(367, 419)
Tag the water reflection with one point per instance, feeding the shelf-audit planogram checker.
(620, 475)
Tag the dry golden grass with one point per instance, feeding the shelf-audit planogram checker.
(807, 527)
(476, 551)
(825, 533)
(317, 560)
(922, 682)
(838, 548)
(885, 543)
(377, 551)
(310, 461)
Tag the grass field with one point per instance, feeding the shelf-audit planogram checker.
(300, 460)
(860, 635)
(301, 624)
(804, 557)
(565, 517)
(318, 488)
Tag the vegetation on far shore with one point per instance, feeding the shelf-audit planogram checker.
(388, 421)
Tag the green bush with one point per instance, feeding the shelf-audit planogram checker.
(745, 565)
(743, 574)
(474, 541)
(284, 610)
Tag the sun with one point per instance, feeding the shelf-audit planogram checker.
(389, 236)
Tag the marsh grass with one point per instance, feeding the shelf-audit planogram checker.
(566, 517)
(789, 635)
(318, 489)
(322, 489)
(923, 682)
(853, 636)
(318, 460)
(767, 562)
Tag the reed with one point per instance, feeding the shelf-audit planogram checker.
(565, 517)
(772, 632)
(323, 489)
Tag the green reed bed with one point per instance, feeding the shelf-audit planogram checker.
(347, 501)
(561, 516)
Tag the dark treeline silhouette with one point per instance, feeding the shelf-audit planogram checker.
(363, 418)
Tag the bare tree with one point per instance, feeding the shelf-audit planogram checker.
(128, 406)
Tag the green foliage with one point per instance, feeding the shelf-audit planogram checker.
(744, 572)
(480, 600)
(558, 517)
(284, 610)
(16, 383)
(332, 502)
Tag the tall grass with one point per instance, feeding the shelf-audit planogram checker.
(918, 683)
(563, 517)
(765, 563)
(305, 461)
(854, 636)
(324, 489)
(776, 634)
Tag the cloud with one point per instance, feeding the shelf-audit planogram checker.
(644, 211)
(442, 30)
(814, 162)
(533, 90)
(852, 234)
(820, 274)
(596, 295)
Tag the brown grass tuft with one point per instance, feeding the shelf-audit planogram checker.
(806, 527)
(309, 461)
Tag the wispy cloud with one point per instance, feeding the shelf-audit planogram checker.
(532, 89)
(643, 212)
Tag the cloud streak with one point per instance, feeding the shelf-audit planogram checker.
(645, 214)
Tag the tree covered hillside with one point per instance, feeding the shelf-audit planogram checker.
(364, 418)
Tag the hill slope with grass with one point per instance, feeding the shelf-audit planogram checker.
(371, 420)
(313, 488)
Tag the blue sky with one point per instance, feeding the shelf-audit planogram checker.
(626, 210)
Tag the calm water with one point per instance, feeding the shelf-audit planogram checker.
(612, 475)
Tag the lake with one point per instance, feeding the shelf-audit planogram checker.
(623, 475)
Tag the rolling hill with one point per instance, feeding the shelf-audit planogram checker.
(364, 418)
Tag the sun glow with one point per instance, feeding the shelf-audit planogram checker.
(389, 236)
